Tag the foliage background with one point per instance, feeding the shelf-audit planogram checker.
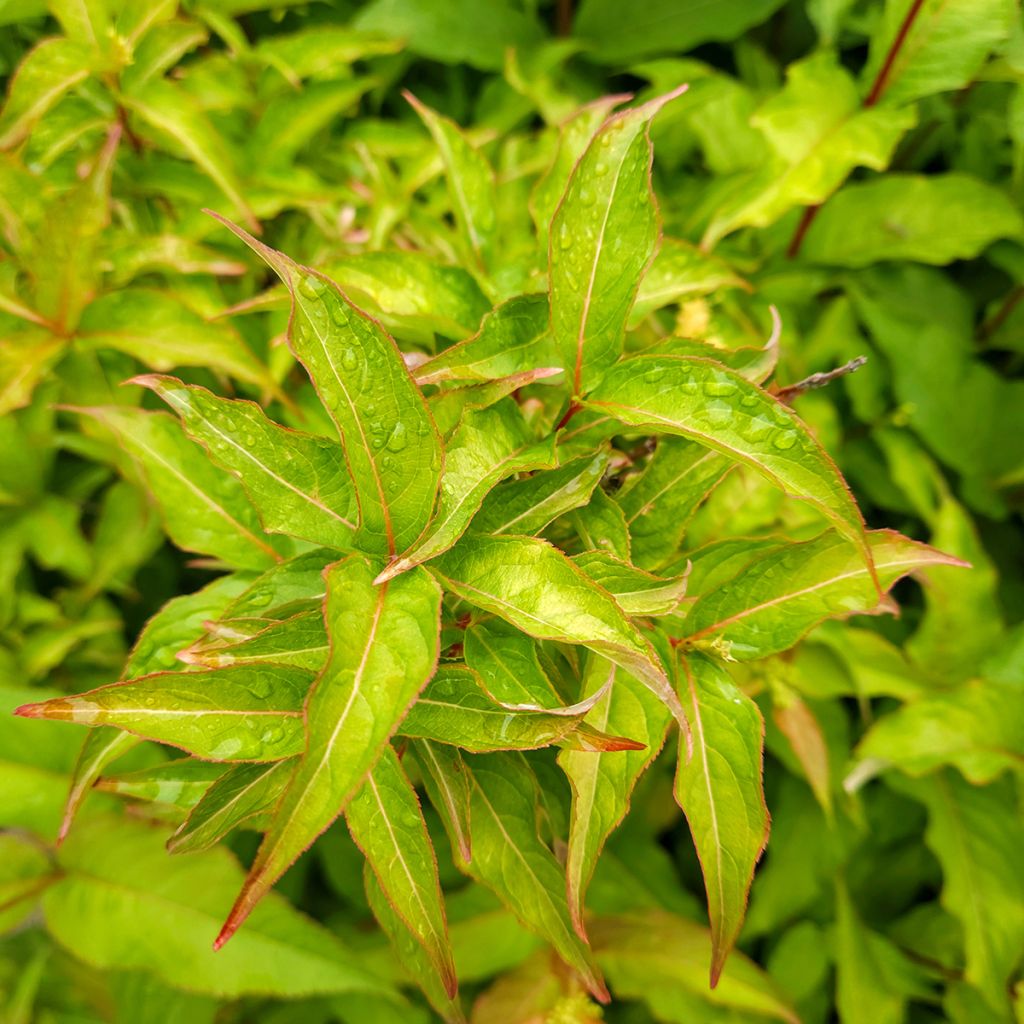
(891, 889)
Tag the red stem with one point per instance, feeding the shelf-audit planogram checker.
(569, 413)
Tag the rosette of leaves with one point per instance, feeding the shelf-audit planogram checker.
(478, 559)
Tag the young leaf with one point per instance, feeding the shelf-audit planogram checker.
(393, 450)
(181, 782)
(784, 592)
(384, 649)
(239, 794)
(704, 401)
(300, 641)
(602, 784)
(237, 714)
(602, 239)
(101, 747)
(204, 510)
(447, 785)
(636, 592)
(537, 589)
(298, 483)
(506, 661)
(385, 820)
(487, 446)
(509, 857)
(720, 791)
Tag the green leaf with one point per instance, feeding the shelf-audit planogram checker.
(163, 333)
(300, 641)
(26, 357)
(237, 714)
(384, 649)
(662, 959)
(238, 795)
(393, 450)
(636, 592)
(978, 844)
(702, 400)
(487, 446)
(935, 219)
(602, 784)
(616, 35)
(602, 239)
(537, 589)
(298, 483)
(514, 337)
(48, 72)
(601, 526)
(181, 782)
(526, 506)
(385, 820)
(470, 182)
(101, 747)
(720, 791)
(447, 785)
(946, 45)
(508, 664)
(784, 592)
(123, 903)
(510, 858)
(204, 509)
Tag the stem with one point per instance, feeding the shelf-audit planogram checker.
(563, 18)
(990, 326)
(569, 413)
(878, 87)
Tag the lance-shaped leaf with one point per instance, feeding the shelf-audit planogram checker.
(203, 509)
(702, 400)
(784, 592)
(456, 708)
(514, 337)
(236, 714)
(536, 588)
(510, 858)
(447, 784)
(602, 239)
(294, 585)
(298, 482)
(601, 526)
(181, 782)
(384, 648)
(487, 446)
(602, 784)
(26, 357)
(394, 453)
(470, 182)
(526, 506)
(636, 592)
(385, 820)
(101, 747)
(508, 664)
(720, 791)
(241, 793)
(659, 502)
(300, 641)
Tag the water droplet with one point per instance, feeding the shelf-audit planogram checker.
(565, 237)
(310, 288)
(749, 400)
(249, 440)
(386, 462)
(720, 387)
(653, 374)
(399, 438)
(784, 439)
(349, 359)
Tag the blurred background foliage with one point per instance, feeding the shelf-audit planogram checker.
(857, 163)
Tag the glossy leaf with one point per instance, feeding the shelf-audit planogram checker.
(720, 791)
(300, 641)
(602, 239)
(508, 664)
(636, 592)
(101, 747)
(181, 782)
(384, 648)
(447, 784)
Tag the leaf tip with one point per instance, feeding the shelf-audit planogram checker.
(396, 568)
(31, 710)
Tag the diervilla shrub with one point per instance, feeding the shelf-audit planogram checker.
(473, 554)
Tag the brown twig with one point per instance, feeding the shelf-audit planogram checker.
(819, 380)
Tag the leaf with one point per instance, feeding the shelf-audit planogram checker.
(384, 649)
(393, 450)
(298, 483)
(238, 795)
(299, 641)
(470, 182)
(944, 49)
(798, 723)
(526, 506)
(26, 357)
(101, 747)
(784, 592)
(513, 337)
(236, 714)
(123, 903)
(603, 237)
(720, 791)
(602, 784)
(508, 664)
(701, 400)
(168, 108)
(537, 589)
(661, 958)
(447, 785)
(181, 782)
(659, 502)
(487, 446)
(601, 526)
(617, 36)
(636, 592)
(204, 509)
(292, 586)
(48, 72)
(163, 333)
(978, 847)
(385, 820)
(509, 857)
(935, 219)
